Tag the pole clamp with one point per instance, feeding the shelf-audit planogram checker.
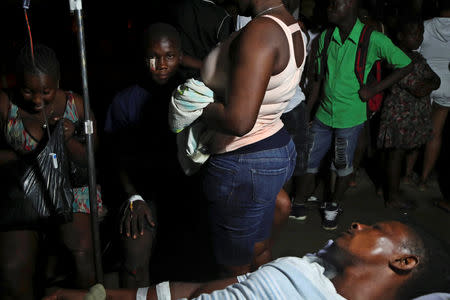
(75, 5)
(88, 127)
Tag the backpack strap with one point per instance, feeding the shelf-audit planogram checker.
(320, 72)
(361, 53)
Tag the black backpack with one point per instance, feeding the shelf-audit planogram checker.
(374, 103)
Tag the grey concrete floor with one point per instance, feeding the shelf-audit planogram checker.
(362, 204)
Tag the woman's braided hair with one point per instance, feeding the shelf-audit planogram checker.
(42, 60)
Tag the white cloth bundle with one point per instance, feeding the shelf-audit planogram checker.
(186, 105)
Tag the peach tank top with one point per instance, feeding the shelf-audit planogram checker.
(280, 89)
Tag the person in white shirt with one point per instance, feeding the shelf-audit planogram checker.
(436, 50)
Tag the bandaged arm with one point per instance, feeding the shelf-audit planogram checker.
(178, 290)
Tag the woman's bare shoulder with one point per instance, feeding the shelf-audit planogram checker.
(260, 35)
(262, 27)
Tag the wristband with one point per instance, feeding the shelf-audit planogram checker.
(163, 291)
(134, 198)
(141, 293)
(96, 292)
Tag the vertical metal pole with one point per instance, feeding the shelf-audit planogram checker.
(89, 130)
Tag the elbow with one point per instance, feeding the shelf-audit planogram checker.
(408, 69)
(240, 130)
(240, 127)
(402, 72)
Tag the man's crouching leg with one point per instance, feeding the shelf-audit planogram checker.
(135, 271)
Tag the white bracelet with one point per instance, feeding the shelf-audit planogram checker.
(163, 291)
(141, 293)
(135, 198)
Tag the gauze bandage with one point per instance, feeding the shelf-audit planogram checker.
(141, 293)
(163, 291)
(152, 62)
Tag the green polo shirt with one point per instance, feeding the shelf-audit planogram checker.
(342, 106)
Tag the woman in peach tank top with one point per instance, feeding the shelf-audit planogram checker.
(254, 74)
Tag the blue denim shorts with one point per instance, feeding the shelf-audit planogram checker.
(343, 140)
(241, 190)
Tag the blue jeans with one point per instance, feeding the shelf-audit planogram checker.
(344, 141)
(241, 190)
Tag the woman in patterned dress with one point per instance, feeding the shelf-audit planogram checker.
(25, 113)
(406, 114)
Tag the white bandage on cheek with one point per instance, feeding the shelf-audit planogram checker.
(163, 291)
(141, 293)
(153, 64)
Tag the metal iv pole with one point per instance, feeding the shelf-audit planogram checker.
(76, 8)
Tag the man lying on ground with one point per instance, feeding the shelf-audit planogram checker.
(387, 260)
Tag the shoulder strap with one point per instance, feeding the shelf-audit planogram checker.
(323, 54)
(294, 27)
(70, 111)
(361, 53)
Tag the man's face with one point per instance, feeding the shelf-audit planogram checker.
(373, 244)
(162, 59)
(337, 10)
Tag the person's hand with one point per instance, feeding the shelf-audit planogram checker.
(366, 92)
(66, 294)
(68, 127)
(133, 219)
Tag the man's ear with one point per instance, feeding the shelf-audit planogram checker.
(404, 264)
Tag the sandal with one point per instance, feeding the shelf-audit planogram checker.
(410, 179)
(422, 186)
(443, 204)
(400, 204)
(352, 182)
(379, 192)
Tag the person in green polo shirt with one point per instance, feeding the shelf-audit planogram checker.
(342, 109)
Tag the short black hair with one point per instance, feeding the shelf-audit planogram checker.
(158, 31)
(406, 21)
(42, 60)
(432, 274)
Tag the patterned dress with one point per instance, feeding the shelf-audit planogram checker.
(405, 120)
(21, 141)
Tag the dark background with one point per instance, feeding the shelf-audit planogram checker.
(112, 46)
(112, 32)
(111, 40)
